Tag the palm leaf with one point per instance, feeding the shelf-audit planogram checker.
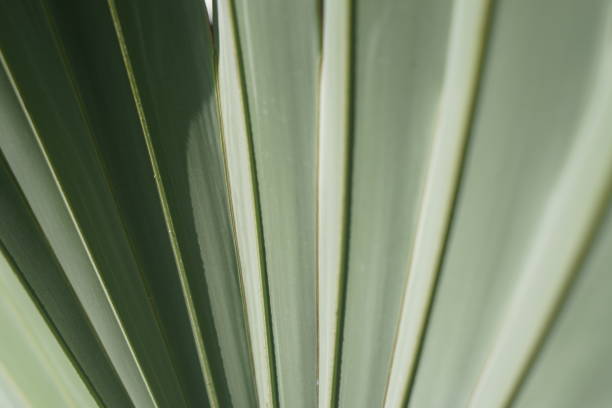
(305, 203)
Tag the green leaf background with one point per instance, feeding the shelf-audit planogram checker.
(305, 203)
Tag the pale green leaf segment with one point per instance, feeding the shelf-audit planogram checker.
(242, 181)
(557, 248)
(11, 394)
(537, 173)
(467, 42)
(381, 88)
(333, 151)
(583, 319)
(34, 371)
(279, 54)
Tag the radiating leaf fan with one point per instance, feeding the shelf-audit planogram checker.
(304, 203)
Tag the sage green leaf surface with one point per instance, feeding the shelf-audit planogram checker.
(33, 367)
(332, 179)
(468, 38)
(582, 319)
(279, 54)
(244, 200)
(390, 111)
(538, 115)
(10, 393)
